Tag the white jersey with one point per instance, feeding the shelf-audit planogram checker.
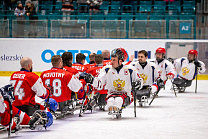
(187, 70)
(149, 73)
(2, 106)
(117, 81)
(165, 67)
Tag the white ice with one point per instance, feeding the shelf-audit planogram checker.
(169, 117)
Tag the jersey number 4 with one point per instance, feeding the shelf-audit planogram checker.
(56, 83)
(17, 90)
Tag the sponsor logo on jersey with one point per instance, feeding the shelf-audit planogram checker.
(185, 71)
(119, 84)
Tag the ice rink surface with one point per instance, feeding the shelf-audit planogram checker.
(169, 117)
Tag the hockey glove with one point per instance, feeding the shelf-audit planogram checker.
(87, 77)
(137, 84)
(197, 63)
(52, 104)
(171, 60)
(160, 83)
(7, 93)
(170, 76)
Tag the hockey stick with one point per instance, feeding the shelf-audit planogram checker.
(50, 88)
(11, 113)
(154, 96)
(196, 80)
(173, 89)
(134, 95)
(82, 106)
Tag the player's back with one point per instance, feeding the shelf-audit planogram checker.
(80, 67)
(95, 71)
(59, 79)
(89, 66)
(106, 62)
(72, 71)
(23, 83)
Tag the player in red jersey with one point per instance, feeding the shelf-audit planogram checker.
(26, 86)
(63, 83)
(67, 63)
(5, 110)
(106, 57)
(80, 61)
(92, 61)
(95, 71)
(13, 117)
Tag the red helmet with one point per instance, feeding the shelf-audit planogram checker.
(161, 50)
(121, 53)
(194, 52)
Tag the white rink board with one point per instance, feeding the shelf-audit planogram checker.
(12, 49)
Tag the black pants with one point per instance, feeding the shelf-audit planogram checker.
(29, 110)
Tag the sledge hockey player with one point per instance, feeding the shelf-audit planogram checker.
(13, 118)
(150, 73)
(166, 67)
(187, 68)
(106, 57)
(95, 71)
(67, 63)
(63, 84)
(26, 86)
(118, 79)
(80, 61)
(92, 61)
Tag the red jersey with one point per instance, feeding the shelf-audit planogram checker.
(106, 62)
(72, 70)
(95, 71)
(80, 67)
(90, 65)
(26, 86)
(63, 83)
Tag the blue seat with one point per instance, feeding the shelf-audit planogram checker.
(141, 16)
(187, 4)
(75, 5)
(58, 5)
(145, 6)
(104, 5)
(113, 9)
(112, 16)
(127, 9)
(174, 5)
(159, 5)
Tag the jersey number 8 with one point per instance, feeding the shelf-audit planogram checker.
(56, 83)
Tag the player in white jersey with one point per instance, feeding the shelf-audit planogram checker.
(187, 68)
(150, 73)
(166, 67)
(118, 79)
